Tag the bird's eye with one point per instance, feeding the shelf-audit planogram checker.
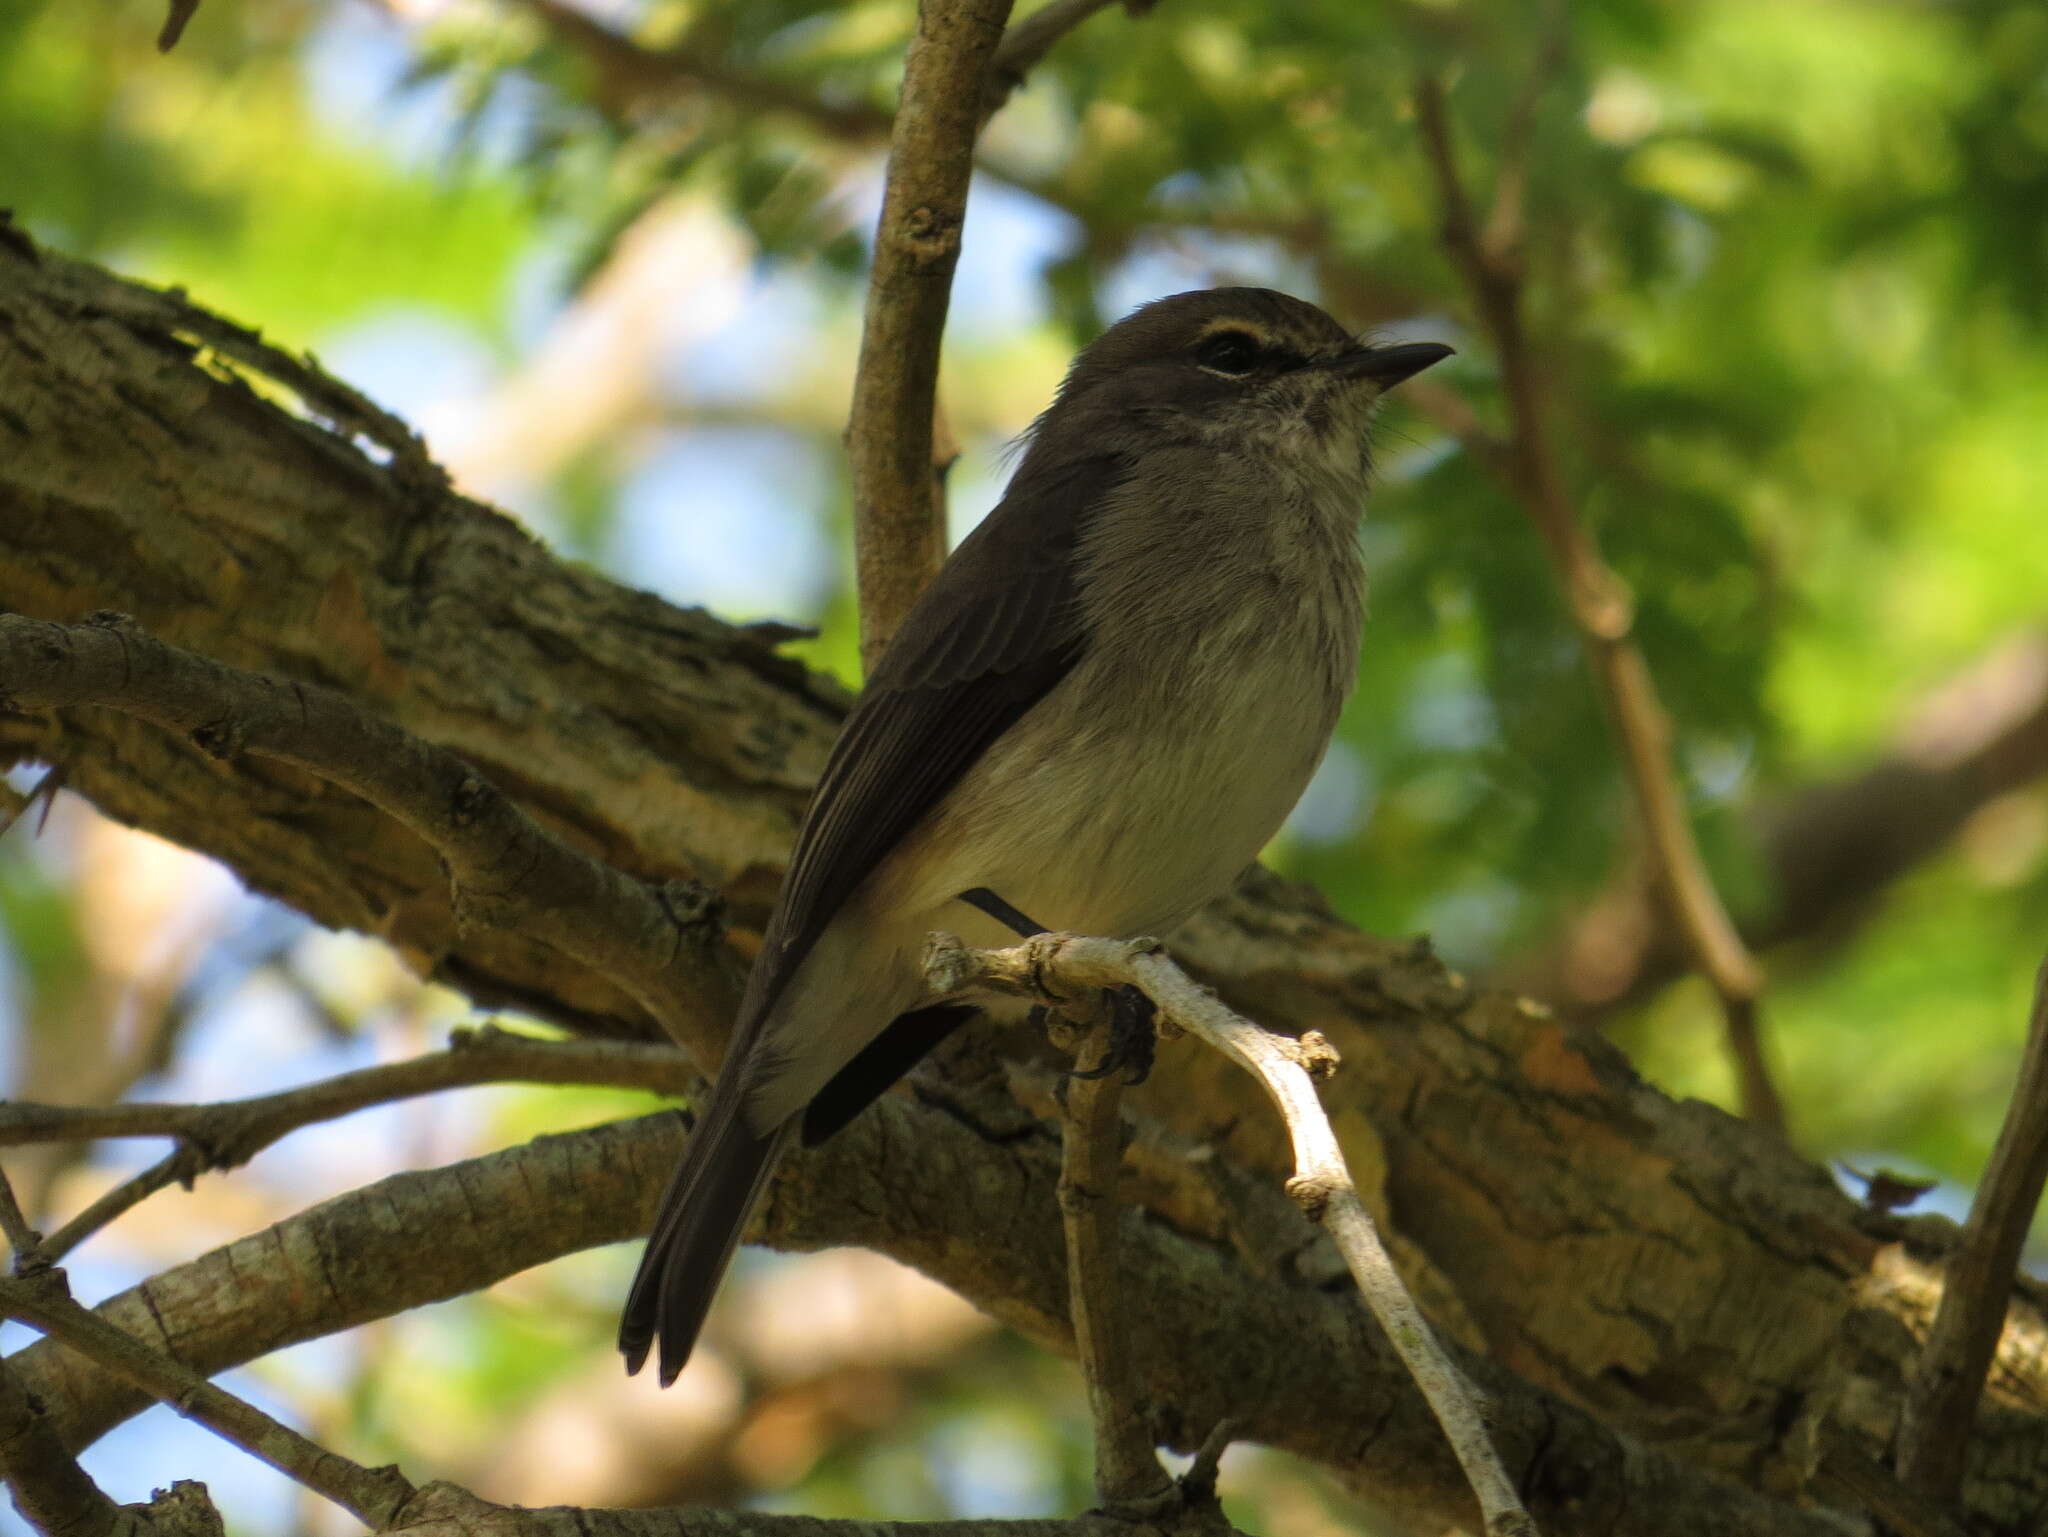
(1229, 352)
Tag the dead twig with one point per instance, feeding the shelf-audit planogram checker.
(1051, 966)
(1599, 603)
(1941, 1399)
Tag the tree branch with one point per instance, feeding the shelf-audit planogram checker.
(233, 1131)
(1940, 1415)
(961, 68)
(899, 533)
(24, 1240)
(443, 1510)
(1127, 1470)
(1694, 1284)
(429, 610)
(1831, 847)
(1295, 1369)
(1602, 610)
(1050, 967)
(179, 1167)
(629, 75)
(229, 1133)
(373, 1495)
(665, 943)
(1026, 43)
(52, 1492)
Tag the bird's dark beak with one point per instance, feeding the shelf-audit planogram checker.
(1388, 366)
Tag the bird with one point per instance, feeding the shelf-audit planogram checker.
(1095, 716)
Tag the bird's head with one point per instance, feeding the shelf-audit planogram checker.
(1245, 366)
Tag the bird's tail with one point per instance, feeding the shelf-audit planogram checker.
(707, 1203)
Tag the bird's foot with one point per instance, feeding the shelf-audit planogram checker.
(1131, 1038)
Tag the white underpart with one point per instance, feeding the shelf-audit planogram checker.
(1224, 622)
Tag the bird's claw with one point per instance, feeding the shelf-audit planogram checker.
(1131, 1038)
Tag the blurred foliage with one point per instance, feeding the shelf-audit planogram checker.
(1786, 279)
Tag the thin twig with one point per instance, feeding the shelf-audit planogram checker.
(899, 533)
(629, 75)
(1051, 966)
(23, 1239)
(1027, 42)
(1127, 1467)
(39, 799)
(664, 944)
(233, 1130)
(53, 1493)
(226, 1134)
(179, 1167)
(373, 1495)
(1941, 1399)
(1602, 609)
(1506, 222)
(176, 18)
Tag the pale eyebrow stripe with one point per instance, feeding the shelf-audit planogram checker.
(1251, 328)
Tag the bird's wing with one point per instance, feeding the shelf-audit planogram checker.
(996, 629)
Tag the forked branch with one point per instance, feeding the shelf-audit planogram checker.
(373, 1495)
(227, 1133)
(1052, 967)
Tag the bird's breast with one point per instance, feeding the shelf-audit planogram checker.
(1154, 773)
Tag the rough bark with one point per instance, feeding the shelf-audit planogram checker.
(142, 474)
(1652, 1267)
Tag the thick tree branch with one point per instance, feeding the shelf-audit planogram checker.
(53, 1494)
(665, 944)
(679, 747)
(1601, 608)
(1656, 1266)
(1295, 1368)
(899, 528)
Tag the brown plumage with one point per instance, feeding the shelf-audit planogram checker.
(1100, 710)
